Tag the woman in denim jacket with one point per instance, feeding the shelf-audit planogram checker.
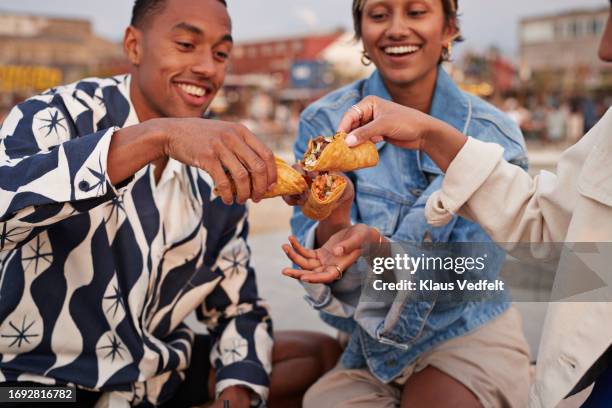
(408, 353)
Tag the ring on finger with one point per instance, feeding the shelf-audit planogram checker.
(340, 272)
(359, 112)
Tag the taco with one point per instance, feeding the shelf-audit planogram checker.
(325, 191)
(331, 153)
(289, 181)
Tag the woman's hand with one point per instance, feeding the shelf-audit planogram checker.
(377, 119)
(328, 263)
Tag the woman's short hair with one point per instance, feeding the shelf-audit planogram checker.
(450, 15)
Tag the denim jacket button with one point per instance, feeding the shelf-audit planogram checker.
(417, 192)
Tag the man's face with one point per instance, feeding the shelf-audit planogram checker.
(183, 55)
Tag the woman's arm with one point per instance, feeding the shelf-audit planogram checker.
(479, 184)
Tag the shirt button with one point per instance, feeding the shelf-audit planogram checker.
(84, 185)
(417, 192)
(391, 363)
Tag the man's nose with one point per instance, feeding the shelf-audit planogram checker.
(204, 65)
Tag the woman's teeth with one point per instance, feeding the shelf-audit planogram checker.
(192, 89)
(404, 49)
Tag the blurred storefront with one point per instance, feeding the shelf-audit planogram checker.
(39, 52)
(271, 81)
(560, 51)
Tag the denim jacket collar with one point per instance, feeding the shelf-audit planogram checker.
(449, 104)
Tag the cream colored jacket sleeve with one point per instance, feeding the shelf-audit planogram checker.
(505, 200)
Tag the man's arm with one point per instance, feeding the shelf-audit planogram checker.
(217, 147)
(52, 167)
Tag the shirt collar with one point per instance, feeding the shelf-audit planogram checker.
(173, 168)
(124, 87)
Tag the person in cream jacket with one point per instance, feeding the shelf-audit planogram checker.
(572, 206)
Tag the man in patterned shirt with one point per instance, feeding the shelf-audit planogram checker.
(111, 234)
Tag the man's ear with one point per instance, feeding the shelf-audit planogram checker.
(132, 45)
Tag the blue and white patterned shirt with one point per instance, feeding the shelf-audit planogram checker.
(97, 280)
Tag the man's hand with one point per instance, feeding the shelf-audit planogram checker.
(216, 146)
(326, 264)
(238, 397)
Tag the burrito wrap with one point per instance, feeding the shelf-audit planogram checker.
(289, 181)
(337, 156)
(317, 208)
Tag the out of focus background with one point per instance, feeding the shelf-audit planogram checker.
(534, 59)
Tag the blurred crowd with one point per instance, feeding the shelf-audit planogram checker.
(553, 118)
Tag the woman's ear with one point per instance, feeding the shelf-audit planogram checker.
(132, 45)
(451, 31)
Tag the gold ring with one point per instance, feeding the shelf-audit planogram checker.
(340, 271)
(359, 111)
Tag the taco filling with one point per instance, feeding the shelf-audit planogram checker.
(318, 144)
(324, 185)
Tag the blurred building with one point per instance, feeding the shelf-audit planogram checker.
(278, 56)
(37, 52)
(561, 50)
(271, 81)
(485, 74)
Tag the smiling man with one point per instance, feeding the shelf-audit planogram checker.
(111, 235)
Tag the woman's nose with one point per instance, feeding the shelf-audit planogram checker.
(399, 28)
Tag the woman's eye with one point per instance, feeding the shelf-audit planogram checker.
(378, 16)
(416, 13)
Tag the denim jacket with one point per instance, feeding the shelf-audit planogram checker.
(392, 197)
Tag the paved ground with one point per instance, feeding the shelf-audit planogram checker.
(270, 228)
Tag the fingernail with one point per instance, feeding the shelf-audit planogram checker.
(271, 186)
(351, 140)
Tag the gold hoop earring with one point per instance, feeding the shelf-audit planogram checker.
(447, 52)
(365, 58)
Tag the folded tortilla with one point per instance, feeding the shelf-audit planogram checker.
(289, 181)
(333, 154)
(325, 191)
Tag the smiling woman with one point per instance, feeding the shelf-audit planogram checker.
(419, 348)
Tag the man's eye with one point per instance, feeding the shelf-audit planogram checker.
(185, 45)
(222, 55)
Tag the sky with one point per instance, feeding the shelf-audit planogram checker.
(484, 22)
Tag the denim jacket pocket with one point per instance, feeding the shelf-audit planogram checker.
(377, 209)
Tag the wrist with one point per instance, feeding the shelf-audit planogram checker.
(442, 142)
(158, 136)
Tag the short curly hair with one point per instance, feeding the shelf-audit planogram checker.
(450, 14)
(145, 8)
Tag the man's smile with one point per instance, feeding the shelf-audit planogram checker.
(192, 94)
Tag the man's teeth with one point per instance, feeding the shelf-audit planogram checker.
(192, 89)
(405, 49)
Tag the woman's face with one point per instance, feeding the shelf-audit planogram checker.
(404, 38)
